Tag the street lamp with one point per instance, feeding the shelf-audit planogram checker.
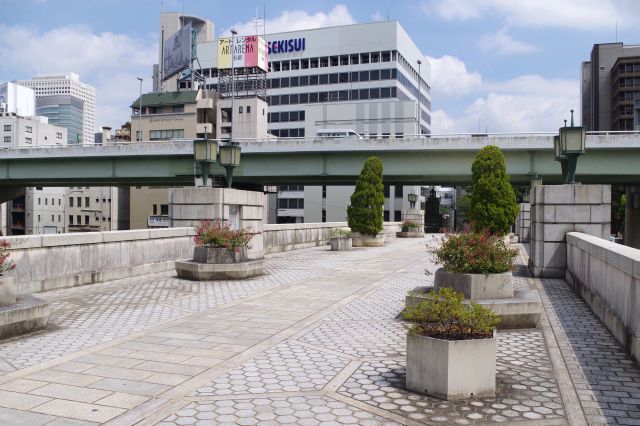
(229, 158)
(205, 153)
(140, 111)
(419, 98)
(569, 145)
(412, 199)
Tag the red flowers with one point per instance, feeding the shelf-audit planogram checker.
(219, 234)
(475, 253)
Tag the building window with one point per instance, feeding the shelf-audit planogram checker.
(248, 109)
(70, 201)
(58, 135)
(59, 218)
(7, 127)
(240, 109)
(178, 108)
(398, 190)
(386, 191)
(164, 209)
(155, 209)
(397, 216)
(38, 218)
(7, 138)
(79, 201)
(28, 140)
(38, 201)
(86, 219)
(155, 135)
(70, 219)
(385, 216)
(53, 219)
(46, 201)
(29, 129)
(86, 201)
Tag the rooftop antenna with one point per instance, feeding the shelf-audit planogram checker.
(616, 30)
(388, 10)
(264, 19)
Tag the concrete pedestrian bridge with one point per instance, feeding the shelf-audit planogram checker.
(611, 158)
(314, 341)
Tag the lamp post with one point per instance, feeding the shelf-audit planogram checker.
(233, 81)
(205, 153)
(140, 111)
(568, 146)
(419, 98)
(229, 159)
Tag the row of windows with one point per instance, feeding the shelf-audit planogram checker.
(398, 191)
(53, 201)
(335, 78)
(287, 133)
(86, 219)
(332, 96)
(629, 82)
(397, 216)
(53, 219)
(291, 188)
(628, 68)
(334, 61)
(285, 116)
(290, 203)
(150, 110)
(164, 209)
(86, 201)
(156, 135)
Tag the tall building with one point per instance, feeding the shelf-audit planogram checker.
(17, 99)
(71, 91)
(610, 83)
(38, 210)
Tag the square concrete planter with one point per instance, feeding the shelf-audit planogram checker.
(341, 243)
(7, 291)
(218, 255)
(361, 240)
(477, 286)
(451, 369)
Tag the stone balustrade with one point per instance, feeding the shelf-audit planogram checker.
(607, 276)
(49, 262)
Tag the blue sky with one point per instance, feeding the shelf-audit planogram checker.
(497, 65)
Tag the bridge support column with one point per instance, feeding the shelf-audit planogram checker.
(558, 209)
(632, 217)
(240, 209)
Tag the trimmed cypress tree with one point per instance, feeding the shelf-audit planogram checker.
(493, 204)
(367, 201)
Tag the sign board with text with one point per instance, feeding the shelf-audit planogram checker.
(248, 52)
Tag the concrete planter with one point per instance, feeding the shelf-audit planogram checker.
(341, 243)
(7, 291)
(218, 255)
(477, 286)
(411, 233)
(451, 369)
(360, 240)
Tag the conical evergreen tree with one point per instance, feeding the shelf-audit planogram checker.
(493, 202)
(367, 201)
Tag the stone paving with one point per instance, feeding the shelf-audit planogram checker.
(314, 341)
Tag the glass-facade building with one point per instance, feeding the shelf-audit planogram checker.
(64, 111)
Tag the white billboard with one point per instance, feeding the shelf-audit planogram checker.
(177, 52)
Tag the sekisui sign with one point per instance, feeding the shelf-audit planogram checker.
(285, 46)
(249, 51)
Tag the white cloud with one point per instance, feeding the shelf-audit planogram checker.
(501, 43)
(109, 61)
(377, 16)
(528, 103)
(450, 77)
(292, 20)
(577, 14)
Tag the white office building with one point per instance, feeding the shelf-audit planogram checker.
(17, 99)
(370, 78)
(62, 97)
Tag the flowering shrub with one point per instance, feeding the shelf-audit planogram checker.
(341, 233)
(410, 224)
(475, 253)
(217, 234)
(5, 264)
(443, 315)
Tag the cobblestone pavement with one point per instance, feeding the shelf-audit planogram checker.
(315, 341)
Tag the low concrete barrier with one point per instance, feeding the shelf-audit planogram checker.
(607, 277)
(50, 262)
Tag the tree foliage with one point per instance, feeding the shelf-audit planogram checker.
(493, 204)
(367, 201)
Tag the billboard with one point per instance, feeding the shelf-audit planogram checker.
(176, 54)
(249, 51)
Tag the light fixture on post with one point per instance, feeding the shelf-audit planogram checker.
(557, 149)
(413, 198)
(571, 143)
(229, 159)
(204, 153)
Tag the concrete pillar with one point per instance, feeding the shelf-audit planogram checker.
(632, 217)
(241, 209)
(523, 223)
(558, 209)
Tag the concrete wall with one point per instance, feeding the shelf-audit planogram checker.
(607, 276)
(50, 262)
(632, 217)
(523, 223)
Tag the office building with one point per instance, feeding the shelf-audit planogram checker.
(610, 84)
(36, 210)
(17, 99)
(68, 99)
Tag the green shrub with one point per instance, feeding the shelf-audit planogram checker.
(365, 210)
(493, 202)
(443, 315)
(475, 253)
(410, 224)
(341, 233)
